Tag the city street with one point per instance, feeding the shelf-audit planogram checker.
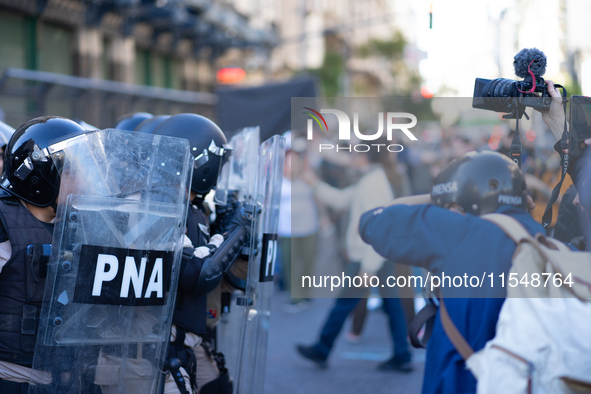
(352, 367)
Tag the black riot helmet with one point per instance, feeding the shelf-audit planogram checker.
(149, 125)
(480, 183)
(28, 173)
(130, 122)
(209, 147)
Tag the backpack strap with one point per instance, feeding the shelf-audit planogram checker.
(517, 233)
(452, 332)
(510, 226)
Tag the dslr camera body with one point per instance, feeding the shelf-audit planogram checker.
(511, 97)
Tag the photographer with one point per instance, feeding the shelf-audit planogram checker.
(447, 235)
(579, 167)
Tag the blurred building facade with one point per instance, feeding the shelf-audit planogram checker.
(162, 44)
(355, 47)
(163, 47)
(329, 36)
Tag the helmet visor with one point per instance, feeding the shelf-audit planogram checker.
(221, 189)
(240, 172)
(57, 148)
(222, 156)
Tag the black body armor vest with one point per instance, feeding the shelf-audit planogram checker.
(22, 282)
(190, 312)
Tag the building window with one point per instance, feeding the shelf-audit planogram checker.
(55, 49)
(12, 50)
(106, 62)
(158, 64)
(142, 68)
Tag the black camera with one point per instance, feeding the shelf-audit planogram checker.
(506, 95)
(497, 94)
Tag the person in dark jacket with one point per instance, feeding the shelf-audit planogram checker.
(443, 233)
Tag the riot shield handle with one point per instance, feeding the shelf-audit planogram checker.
(243, 301)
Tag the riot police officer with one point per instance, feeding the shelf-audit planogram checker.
(149, 125)
(28, 195)
(199, 367)
(130, 122)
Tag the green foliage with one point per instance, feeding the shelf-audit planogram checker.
(572, 88)
(391, 49)
(333, 69)
(331, 73)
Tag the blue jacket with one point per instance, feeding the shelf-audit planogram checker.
(443, 241)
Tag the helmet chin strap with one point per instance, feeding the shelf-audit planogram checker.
(54, 206)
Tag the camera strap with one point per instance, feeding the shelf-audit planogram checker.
(516, 146)
(516, 149)
(562, 145)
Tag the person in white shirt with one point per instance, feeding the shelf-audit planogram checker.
(298, 226)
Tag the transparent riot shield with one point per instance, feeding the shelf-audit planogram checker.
(251, 351)
(240, 172)
(240, 178)
(112, 274)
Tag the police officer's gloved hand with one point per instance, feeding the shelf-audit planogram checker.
(237, 224)
(222, 211)
(237, 217)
